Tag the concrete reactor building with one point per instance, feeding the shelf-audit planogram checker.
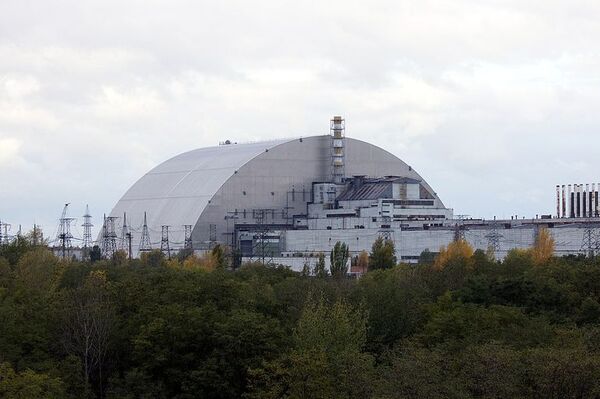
(288, 200)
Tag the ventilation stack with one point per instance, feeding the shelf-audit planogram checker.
(338, 151)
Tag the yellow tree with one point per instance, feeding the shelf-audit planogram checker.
(459, 249)
(543, 247)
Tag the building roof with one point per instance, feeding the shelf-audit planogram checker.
(362, 188)
(176, 192)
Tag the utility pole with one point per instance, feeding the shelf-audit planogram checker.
(164, 241)
(145, 245)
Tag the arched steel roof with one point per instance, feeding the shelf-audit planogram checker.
(177, 191)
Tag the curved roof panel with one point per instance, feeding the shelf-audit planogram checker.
(177, 191)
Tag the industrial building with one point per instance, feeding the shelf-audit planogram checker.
(287, 200)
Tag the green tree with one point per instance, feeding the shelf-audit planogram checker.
(219, 256)
(383, 254)
(28, 384)
(154, 258)
(320, 271)
(426, 257)
(339, 259)
(327, 360)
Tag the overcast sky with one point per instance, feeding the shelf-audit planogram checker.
(493, 102)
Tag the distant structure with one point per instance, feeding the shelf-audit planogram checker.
(64, 236)
(165, 248)
(145, 244)
(577, 201)
(285, 201)
(109, 237)
(187, 240)
(87, 228)
(124, 239)
(338, 160)
(4, 238)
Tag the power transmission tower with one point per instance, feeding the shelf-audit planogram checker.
(459, 228)
(129, 238)
(263, 235)
(494, 238)
(109, 237)
(87, 228)
(590, 244)
(64, 235)
(123, 244)
(164, 241)
(385, 231)
(4, 239)
(145, 245)
(37, 236)
(187, 241)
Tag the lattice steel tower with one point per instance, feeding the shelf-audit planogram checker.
(145, 245)
(87, 228)
(109, 237)
(187, 241)
(493, 238)
(4, 240)
(590, 243)
(164, 241)
(64, 235)
(123, 240)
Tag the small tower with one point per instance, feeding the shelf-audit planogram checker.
(145, 245)
(109, 237)
(164, 242)
(87, 228)
(337, 130)
(187, 242)
(123, 244)
(64, 235)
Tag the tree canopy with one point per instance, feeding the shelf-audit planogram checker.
(461, 326)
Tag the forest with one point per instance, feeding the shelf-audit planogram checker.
(458, 324)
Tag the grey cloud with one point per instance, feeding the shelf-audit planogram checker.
(493, 102)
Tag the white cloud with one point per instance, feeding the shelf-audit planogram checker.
(18, 86)
(485, 99)
(127, 103)
(9, 152)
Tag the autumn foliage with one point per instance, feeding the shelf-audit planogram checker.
(543, 247)
(459, 250)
